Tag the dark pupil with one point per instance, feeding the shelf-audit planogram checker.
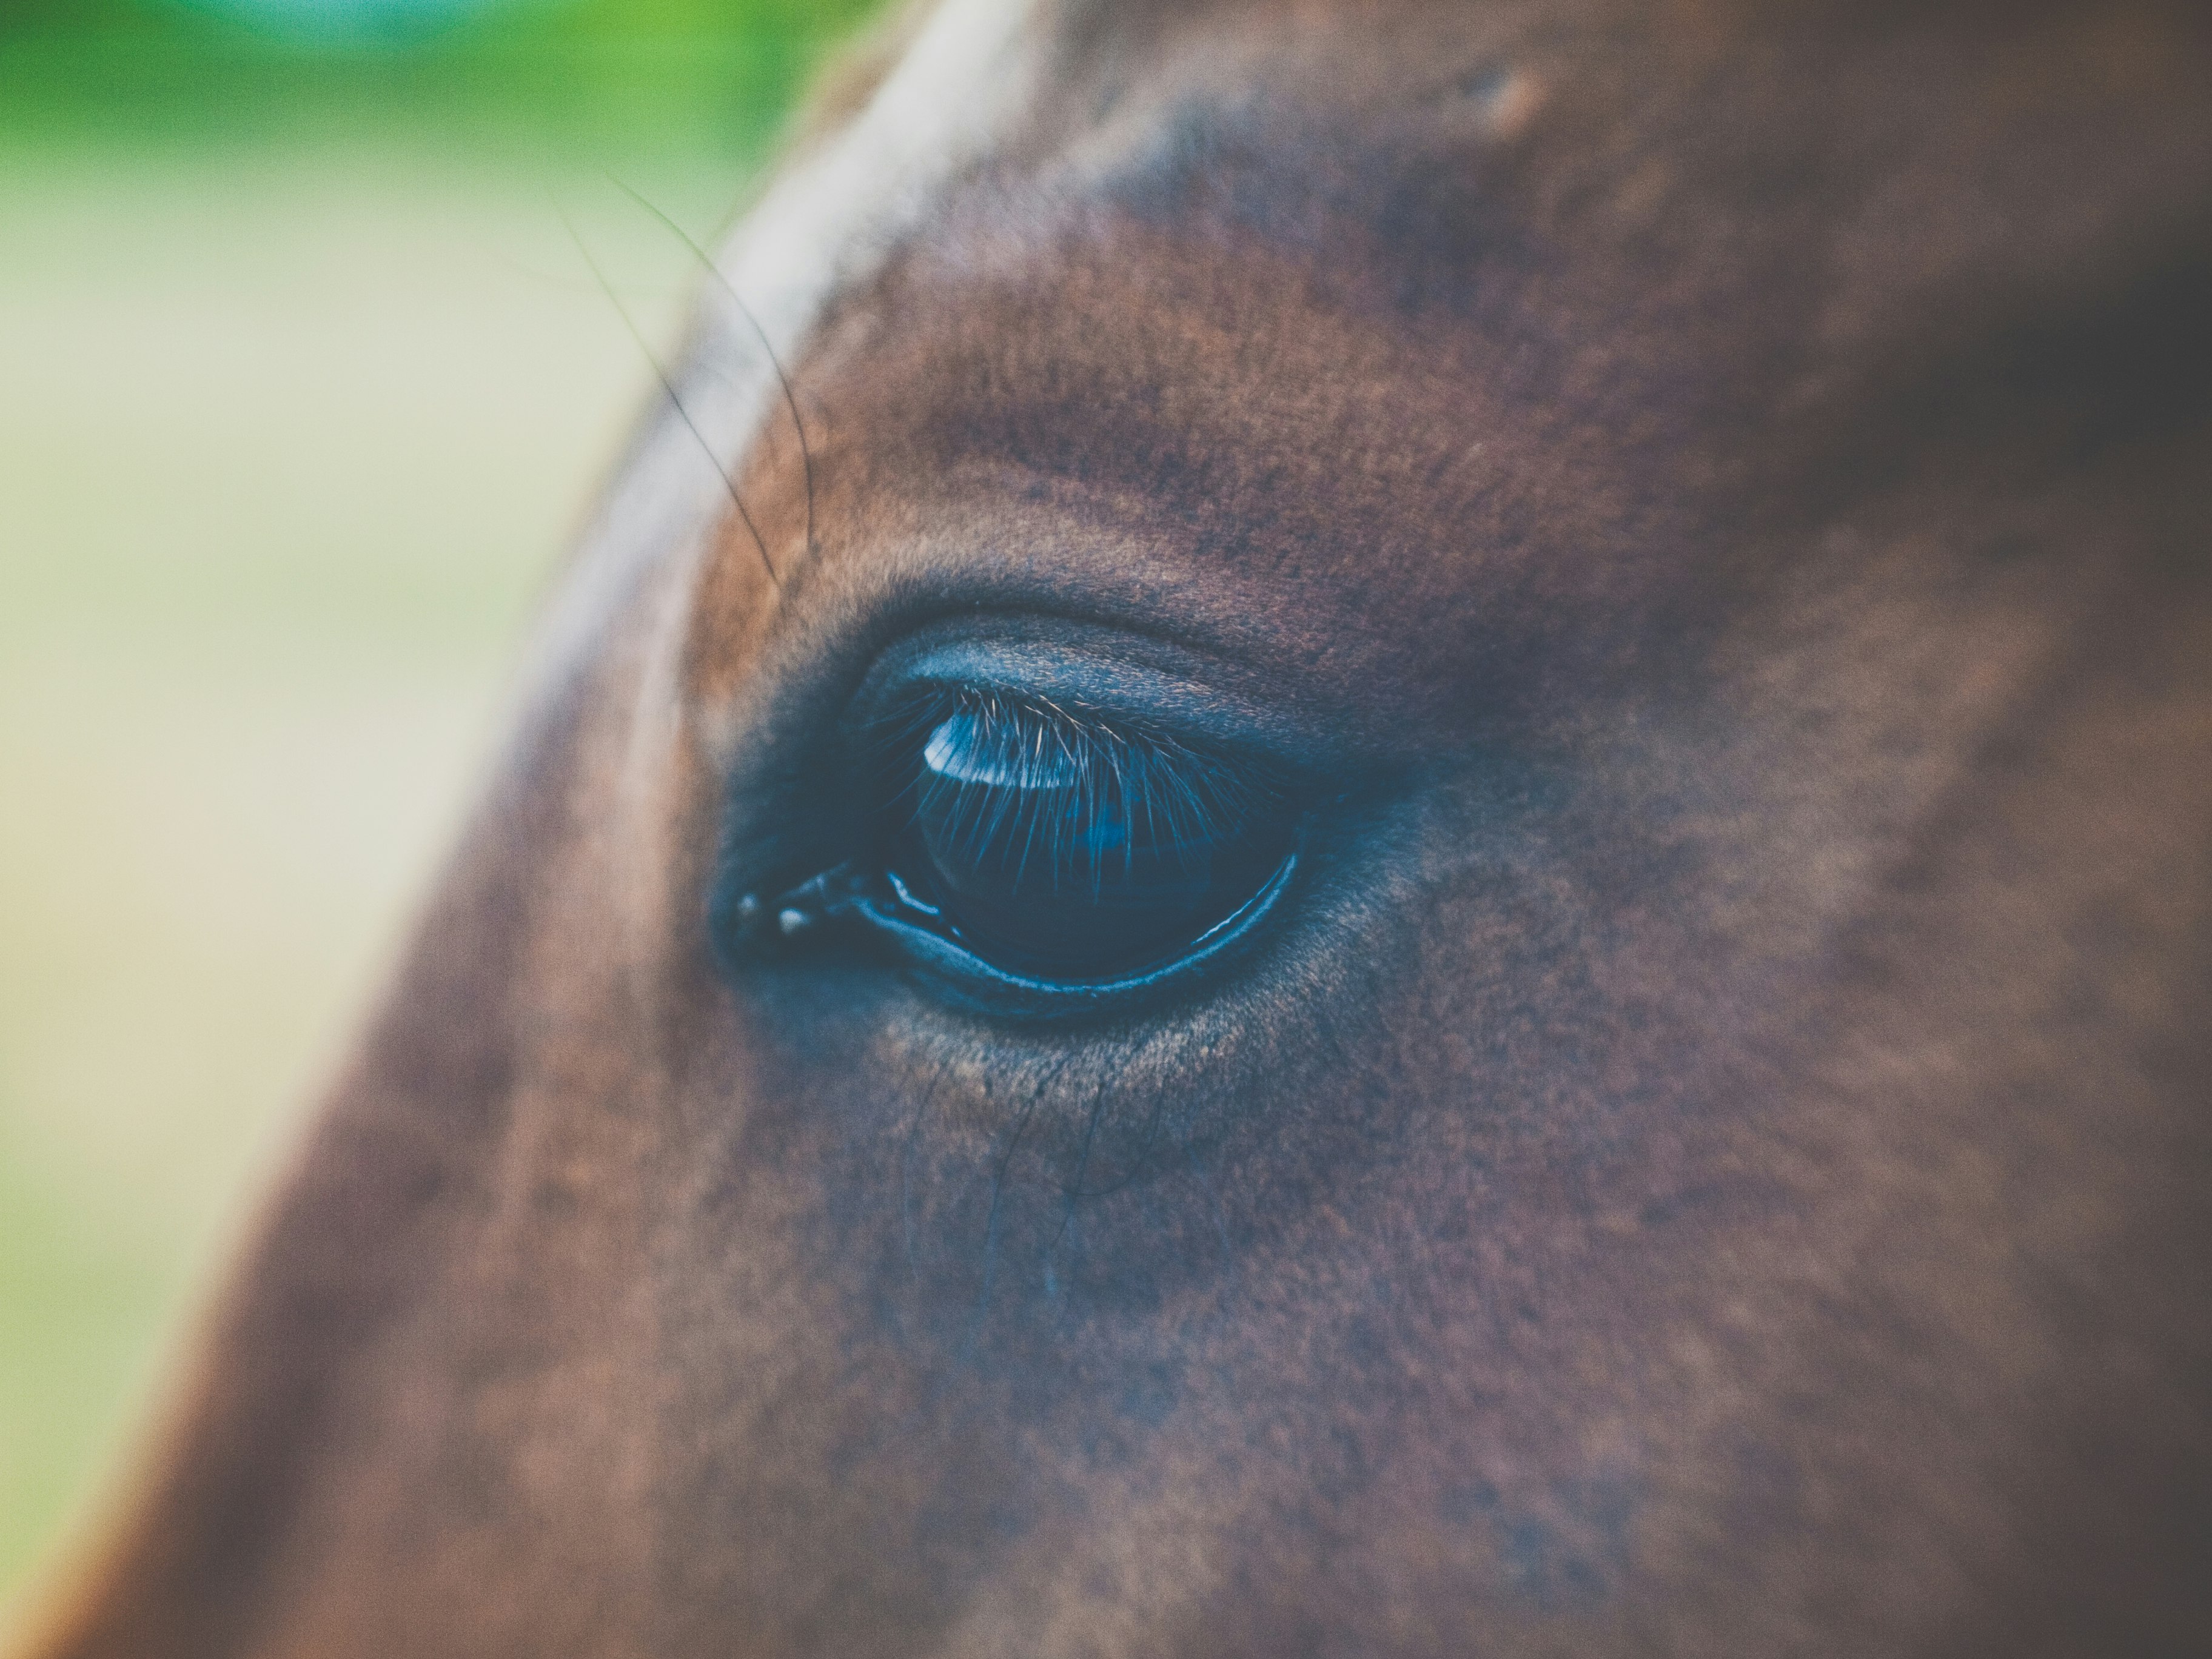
(1058, 847)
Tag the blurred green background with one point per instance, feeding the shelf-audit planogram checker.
(302, 382)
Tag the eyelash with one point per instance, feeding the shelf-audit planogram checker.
(1073, 767)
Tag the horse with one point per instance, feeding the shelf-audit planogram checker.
(1368, 827)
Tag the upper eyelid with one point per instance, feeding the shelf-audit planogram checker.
(921, 703)
(798, 768)
(1132, 753)
(1169, 773)
(1185, 780)
(1110, 690)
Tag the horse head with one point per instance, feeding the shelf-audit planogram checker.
(1368, 829)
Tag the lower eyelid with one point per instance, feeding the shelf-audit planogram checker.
(968, 981)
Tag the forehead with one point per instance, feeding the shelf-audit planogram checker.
(1359, 334)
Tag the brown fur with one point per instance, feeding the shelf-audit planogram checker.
(1716, 1163)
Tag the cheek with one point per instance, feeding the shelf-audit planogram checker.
(1405, 1234)
(1000, 1300)
(945, 1181)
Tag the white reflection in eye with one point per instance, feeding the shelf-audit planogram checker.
(960, 749)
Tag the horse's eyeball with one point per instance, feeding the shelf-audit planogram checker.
(1058, 845)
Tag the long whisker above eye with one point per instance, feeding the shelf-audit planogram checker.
(675, 399)
(783, 379)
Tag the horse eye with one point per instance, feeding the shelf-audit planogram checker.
(1060, 846)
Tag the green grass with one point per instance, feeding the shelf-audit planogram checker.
(526, 101)
(304, 386)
